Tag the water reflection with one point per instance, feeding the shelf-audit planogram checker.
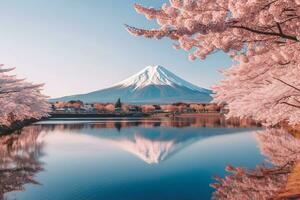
(149, 143)
(214, 121)
(153, 141)
(19, 159)
(277, 179)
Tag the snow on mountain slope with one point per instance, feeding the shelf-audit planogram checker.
(156, 75)
(154, 84)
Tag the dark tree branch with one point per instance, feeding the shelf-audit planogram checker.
(268, 5)
(9, 92)
(287, 84)
(297, 100)
(289, 37)
(289, 104)
(279, 28)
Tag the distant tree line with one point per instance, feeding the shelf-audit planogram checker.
(179, 107)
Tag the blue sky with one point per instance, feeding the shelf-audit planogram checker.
(78, 46)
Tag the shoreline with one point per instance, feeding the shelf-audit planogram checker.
(88, 116)
(16, 126)
(96, 115)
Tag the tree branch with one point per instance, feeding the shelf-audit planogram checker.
(289, 104)
(287, 84)
(279, 28)
(289, 37)
(268, 5)
(9, 92)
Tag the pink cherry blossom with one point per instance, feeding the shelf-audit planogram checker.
(20, 100)
(262, 37)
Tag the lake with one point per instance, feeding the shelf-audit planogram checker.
(120, 159)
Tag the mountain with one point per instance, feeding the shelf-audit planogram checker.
(154, 84)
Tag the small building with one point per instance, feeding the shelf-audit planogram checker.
(59, 110)
(88, 108)
(134, 109)
(157, 108)
(70, 109)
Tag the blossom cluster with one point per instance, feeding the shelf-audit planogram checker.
(19, 99)
(262, 37)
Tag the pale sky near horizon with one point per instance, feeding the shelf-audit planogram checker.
(79, 46)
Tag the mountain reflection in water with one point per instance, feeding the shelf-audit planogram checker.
(153, 142)
(150, 144)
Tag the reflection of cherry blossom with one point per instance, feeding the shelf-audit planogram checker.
(19, 159)
(282, 150)
(279, 146)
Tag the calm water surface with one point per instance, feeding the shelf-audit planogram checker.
(123, 159)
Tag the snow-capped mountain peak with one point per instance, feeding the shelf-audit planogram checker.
(153, 84)
(156, 75)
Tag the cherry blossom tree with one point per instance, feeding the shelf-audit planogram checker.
(99, 106)
(261, 36)
(19, 99)
(197, 107)
(70, 104)
(147, 108)
(125, 107)
(109, 108)
(169, 107)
